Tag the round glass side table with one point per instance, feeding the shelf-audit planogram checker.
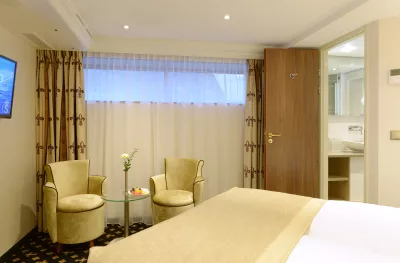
(123, 197)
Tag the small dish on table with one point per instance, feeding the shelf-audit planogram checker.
(138, 191)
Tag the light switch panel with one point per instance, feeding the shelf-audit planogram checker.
(394, 135)
(394, 76)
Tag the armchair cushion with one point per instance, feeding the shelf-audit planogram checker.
(79, 203)
(173, 198)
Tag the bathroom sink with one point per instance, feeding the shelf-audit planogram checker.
(355, 146)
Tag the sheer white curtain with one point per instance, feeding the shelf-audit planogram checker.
(166, 107)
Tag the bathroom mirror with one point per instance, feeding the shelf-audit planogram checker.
(346, 86)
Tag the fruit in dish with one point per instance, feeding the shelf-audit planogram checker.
(139, 191)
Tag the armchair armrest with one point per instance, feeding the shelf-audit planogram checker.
(157, 183)
(97, 184)
(50, 205)
(198, 179)
(198, 188)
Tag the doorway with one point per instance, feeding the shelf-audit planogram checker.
(343, 114)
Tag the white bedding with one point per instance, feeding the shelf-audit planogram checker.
(351, 232)
(372, 227)
(316, 250)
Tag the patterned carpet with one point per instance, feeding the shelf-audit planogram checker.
(37, 247)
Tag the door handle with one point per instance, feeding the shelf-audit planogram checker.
(270, 135)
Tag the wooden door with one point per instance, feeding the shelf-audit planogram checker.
(292, 113)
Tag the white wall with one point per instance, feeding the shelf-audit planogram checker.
(176, 47)
(372, 111)
(17, 147)
(383, 54)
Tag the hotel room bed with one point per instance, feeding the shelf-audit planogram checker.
(246, 225)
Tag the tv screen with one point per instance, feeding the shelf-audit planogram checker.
(8, 68)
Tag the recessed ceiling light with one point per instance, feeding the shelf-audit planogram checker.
(334, 69)
(347, 48)
(126, 26)
(227, 17)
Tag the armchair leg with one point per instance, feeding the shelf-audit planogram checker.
(91, 243)
(59, 248)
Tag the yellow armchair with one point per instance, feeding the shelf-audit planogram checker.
(178, 190)
(74, 210)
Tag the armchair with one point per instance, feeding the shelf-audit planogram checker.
(178, 190)
(74, 210)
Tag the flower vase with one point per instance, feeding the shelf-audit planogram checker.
(126, 207)
(126, 182)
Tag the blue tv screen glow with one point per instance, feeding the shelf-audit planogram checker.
(8, 68)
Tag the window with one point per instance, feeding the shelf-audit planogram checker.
(164, 79)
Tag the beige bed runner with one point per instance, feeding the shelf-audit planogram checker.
(238, 226)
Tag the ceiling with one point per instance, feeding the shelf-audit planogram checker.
(283, 23)
(350, 20)
(27, 16)
(268, 22)
(351, 48)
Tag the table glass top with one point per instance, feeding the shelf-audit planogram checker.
(120, 196)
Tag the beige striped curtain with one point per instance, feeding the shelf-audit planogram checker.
(60, 114)
(253, 170)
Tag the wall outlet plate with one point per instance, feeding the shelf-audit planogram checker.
(395, 135)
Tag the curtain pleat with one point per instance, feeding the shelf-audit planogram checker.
(253, 167)
(60, 114)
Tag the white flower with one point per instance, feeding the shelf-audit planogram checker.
(124, 156)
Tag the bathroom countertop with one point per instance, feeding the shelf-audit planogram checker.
(345, 154)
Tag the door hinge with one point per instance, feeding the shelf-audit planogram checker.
(319, 90)
(319, 72)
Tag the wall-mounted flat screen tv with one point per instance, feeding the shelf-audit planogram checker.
(8, 69)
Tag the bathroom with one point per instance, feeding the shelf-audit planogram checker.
(346, 110)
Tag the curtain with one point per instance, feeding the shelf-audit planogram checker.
(166, 107)
(60, 114)
(253, 166)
